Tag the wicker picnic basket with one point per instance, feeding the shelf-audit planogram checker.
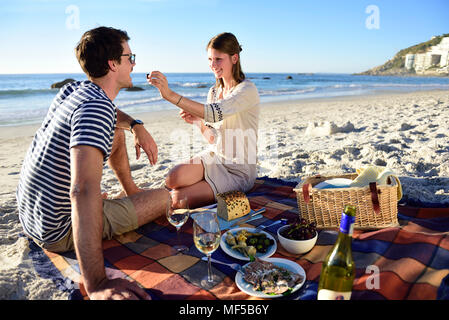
(376, 204)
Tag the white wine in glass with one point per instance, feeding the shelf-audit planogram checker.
(206, 236)
(177, 216)
(207, 242)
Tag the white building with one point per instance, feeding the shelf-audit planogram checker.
(410, 61)
(437, 58)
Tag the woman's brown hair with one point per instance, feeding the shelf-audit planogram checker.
(226, 42)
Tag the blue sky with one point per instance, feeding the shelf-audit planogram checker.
(39, 36)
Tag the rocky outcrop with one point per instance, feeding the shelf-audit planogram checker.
(134, 89)
(387, 70)
(58, 85)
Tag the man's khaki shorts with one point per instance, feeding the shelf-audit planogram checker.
(119, 216)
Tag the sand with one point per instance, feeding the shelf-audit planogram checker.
(406, 132)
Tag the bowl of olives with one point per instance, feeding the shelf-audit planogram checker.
(298, 237)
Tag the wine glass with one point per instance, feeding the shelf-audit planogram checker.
(177, 216)
(206, 236)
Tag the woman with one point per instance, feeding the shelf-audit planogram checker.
(229, 122)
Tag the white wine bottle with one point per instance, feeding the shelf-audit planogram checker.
(338, 271)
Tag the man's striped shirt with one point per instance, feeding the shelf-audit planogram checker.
(80, 114)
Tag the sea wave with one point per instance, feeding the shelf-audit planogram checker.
(411, 85)
(352, 88)
(25, 92)
(128, 103)
(199, 85)
(153, 100)
(281, 92)
(352, 85)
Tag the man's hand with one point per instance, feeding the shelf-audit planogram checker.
(118, 289)
(144, 140)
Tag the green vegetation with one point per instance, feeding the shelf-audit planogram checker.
(397, 63)
(422, 47)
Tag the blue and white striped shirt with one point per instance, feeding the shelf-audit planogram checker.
(80, 114)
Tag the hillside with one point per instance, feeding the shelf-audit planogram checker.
(396, 65)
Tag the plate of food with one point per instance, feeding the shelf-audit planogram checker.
(243, 243)
(270, 278)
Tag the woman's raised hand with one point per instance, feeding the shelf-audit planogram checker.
(195, 109)
(158, 79)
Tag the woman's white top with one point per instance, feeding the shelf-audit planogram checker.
(231, 161)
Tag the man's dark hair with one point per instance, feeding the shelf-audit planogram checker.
(96, 47)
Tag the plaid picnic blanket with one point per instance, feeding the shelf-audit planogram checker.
(406, 262)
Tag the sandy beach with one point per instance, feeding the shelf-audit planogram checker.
(406, 132)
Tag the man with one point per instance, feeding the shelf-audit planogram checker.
(59, 193)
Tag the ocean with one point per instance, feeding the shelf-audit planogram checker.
(25, 98)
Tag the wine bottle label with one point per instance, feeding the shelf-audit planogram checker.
(325, 294)
(347, 224)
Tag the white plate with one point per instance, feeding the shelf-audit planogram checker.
(236, 254)
(284, 263)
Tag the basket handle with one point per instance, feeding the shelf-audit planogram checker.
(306, 189)
(374, 197)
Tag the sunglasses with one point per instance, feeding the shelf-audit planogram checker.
(132, 57)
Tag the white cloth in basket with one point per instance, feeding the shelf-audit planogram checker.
(377, 174)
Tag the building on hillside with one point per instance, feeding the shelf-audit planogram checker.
(436, 58)
(410, 61)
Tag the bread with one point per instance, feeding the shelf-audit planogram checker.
(232, 205)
